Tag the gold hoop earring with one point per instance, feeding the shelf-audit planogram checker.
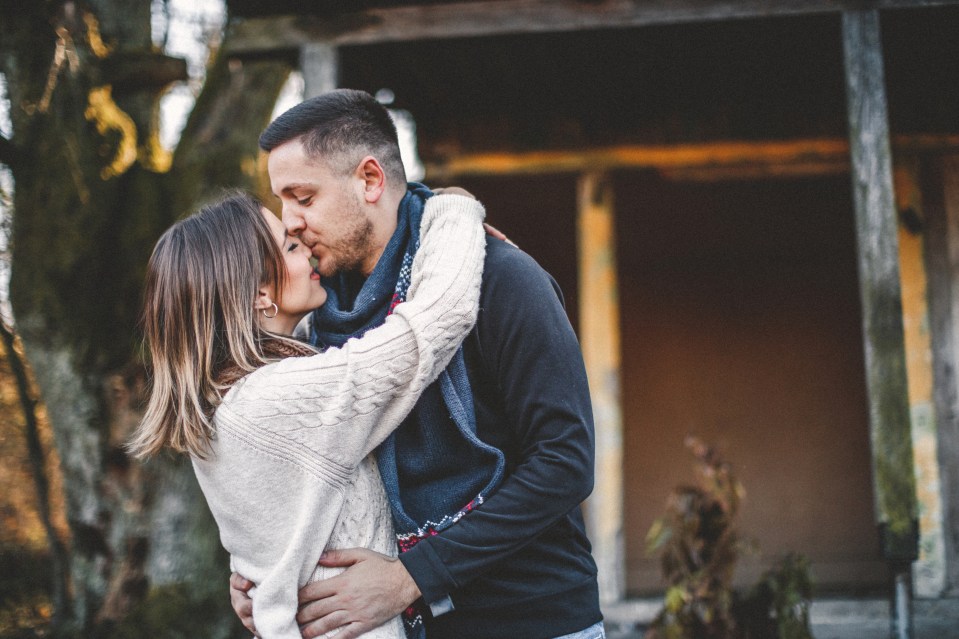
(276, 309)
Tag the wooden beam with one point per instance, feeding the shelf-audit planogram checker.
(707, 160)
(880, 293)
(499, 17)
(599, 337)
(753, 172)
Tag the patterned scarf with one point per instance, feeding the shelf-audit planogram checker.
(273, 349)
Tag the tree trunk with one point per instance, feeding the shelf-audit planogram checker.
(59, 588)
(90, 201)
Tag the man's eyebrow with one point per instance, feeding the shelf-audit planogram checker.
(297, 185)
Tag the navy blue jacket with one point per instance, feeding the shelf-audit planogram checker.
(520, 564)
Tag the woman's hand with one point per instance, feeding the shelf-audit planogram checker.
(492, 231)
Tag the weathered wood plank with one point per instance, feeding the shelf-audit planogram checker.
(705, 160)
(929, 569)
(600, 339)
(940, 190)
(498, 17)
(876, 228)
(949, 450)
(320, 65)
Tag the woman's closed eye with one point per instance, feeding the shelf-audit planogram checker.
(292, 247)
(304, 202)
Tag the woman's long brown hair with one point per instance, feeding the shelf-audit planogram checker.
(199, 320)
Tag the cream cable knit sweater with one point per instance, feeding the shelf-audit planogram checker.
(290, 472)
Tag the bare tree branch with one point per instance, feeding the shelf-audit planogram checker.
(134, 71)
(58, 551)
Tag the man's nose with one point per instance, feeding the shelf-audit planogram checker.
(294, 223)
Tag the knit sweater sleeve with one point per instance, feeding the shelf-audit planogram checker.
(289, 435)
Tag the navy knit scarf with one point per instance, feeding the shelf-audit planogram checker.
(352, 308)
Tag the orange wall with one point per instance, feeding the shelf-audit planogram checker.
(741, 325)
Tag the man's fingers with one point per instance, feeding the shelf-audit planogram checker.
(349, 631)
(239, 582)
(247, 622)
(319, 627)
(241, 602)
(343, 557)
(242, 607)
(317, 590)
(368, 593)
(316, 610)
(352, 631)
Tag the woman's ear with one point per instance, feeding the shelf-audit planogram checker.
(263, 299)
(373, 177)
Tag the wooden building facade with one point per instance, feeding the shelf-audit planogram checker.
(753, 210)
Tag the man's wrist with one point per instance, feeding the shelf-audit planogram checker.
(437, 607)
(411, 592)
(432, 578)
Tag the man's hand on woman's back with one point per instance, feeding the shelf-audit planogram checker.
(241, 602)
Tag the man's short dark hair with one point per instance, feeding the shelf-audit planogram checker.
(340, 128)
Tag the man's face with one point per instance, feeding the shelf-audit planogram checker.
(323, 209)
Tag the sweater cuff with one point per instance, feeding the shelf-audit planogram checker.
(430, 575)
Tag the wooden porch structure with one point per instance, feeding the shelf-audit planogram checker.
(908, 274)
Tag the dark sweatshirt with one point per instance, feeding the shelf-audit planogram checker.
(520, 564)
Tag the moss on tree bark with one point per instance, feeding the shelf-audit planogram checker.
(141, 534)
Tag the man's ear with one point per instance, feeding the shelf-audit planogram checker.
(373, 177)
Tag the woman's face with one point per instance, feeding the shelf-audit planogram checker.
(302, 292)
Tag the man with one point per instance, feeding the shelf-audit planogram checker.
(486, 476)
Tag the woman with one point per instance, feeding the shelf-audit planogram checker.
(281, 445)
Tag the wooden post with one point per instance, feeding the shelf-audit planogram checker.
(320, 64)
(941, 196)
(599, 336)
(876, 228)
(929, 570)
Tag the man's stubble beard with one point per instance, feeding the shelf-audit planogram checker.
(351, 252)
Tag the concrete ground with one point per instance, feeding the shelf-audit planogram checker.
(831, 618)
